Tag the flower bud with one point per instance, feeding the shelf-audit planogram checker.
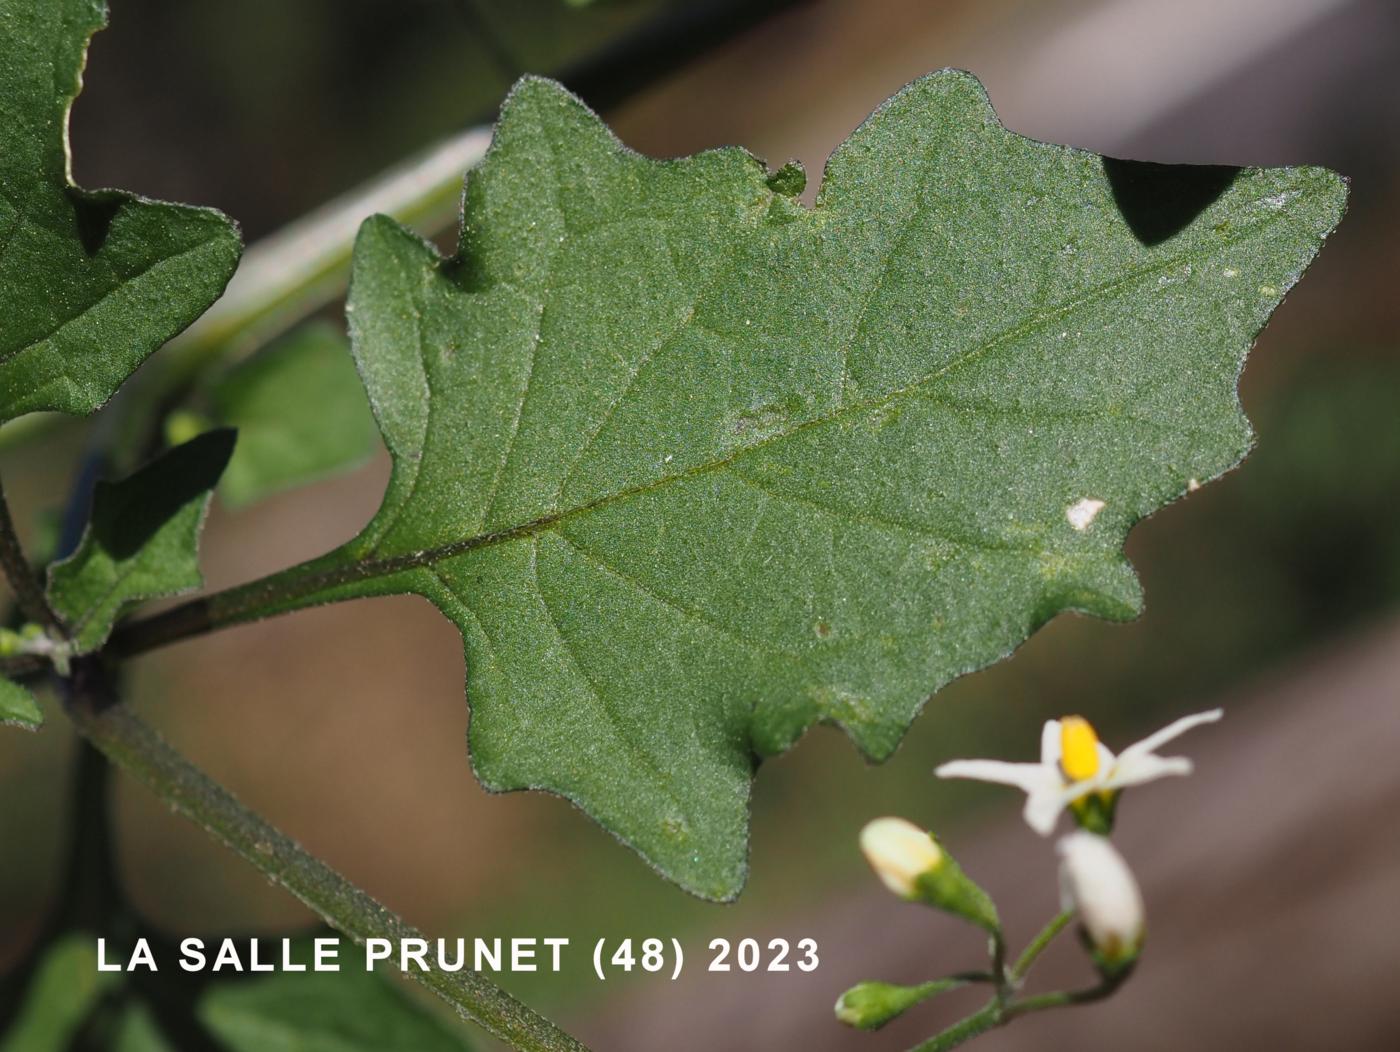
(900, 853)
(913, 865)
(1099, 886)
(870, 1005)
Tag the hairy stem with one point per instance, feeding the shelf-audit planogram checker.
(90, 894)
(140, 751)
(1004, 1007)
(1038, 945)
(999, 1012)
(29, 593)
(986, 1018)
(1065, 998)
(1003, 977)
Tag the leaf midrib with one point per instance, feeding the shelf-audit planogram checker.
(8, 357)
(300, 584)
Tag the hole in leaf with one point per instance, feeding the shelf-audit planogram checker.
(789, 180)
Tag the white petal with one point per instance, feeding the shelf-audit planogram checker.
(1148, 767)
(1172, 730)
(1043, 808)
(1029, 777)
(1050, 743)
(1106, 758)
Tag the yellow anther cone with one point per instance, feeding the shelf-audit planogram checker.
(1079, 748)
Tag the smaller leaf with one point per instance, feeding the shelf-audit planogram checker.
(18, 707)
(143, 540)
(64, 989)
(300, 411)
(135, 1030)
(346, 1011)
(91, 281)
(68, 1002)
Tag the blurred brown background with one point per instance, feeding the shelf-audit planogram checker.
(1272, 878)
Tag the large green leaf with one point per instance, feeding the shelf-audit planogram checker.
(693, 466)
(143, 540)
(90, 282)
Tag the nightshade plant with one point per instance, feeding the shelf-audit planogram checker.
(1076, 772)
(690, 464)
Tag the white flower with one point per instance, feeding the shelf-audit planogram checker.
(1098, 885)
(1074, 765)
(900, 853)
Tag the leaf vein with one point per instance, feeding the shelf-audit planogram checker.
(409, 560)
(620, 726)
(689, 614)
(11, 355)
(722, 270)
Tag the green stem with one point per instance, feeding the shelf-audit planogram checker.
(988, 1017)
(90, 895)
(1065, 998)
(1038, 945)
(999, 973)
(999, 1012)
(135, 747)
(29, 593)
(1002, 1009)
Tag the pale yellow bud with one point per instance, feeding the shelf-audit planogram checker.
(900, 853)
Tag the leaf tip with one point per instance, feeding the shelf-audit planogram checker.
(533, 95)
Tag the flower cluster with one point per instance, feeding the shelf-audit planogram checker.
(1076, 773)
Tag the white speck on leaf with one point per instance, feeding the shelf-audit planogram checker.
(1082, 513)
(1192, 485)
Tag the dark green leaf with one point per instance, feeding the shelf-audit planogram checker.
(64, 988)
(347, 1011)
(694, 467)
(300, 411)
(91, 282)
(18, 707)
(143, 540)
(136, 1030)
